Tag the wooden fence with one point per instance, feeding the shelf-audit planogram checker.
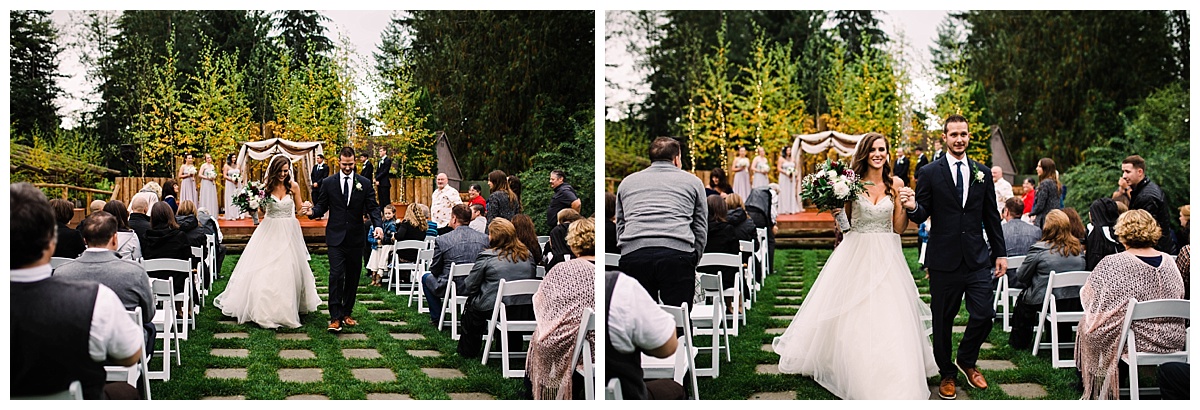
(416, 189)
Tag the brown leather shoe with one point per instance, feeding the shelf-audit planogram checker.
(947, 389)
(335, 326)
(974, 377)
(349, 321)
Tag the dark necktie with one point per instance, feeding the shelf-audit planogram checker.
(346, 188)
(959, 184)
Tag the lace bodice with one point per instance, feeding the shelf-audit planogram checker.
(868, 218)
(282, 208)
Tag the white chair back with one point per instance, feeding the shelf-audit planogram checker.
(612, 391)
(708, 318)
(682, 362)
(500, 321)
(583, 350)
(139, 370)
(1127, 346)
(452, 301)
(612, 260)
(1050, 314)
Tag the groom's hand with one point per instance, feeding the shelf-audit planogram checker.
(1001, 267)
(378, 233)
(908, 199)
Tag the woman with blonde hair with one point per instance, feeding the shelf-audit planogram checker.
(506, 258)
(1058, 251)
(412, 228)
(566, 290)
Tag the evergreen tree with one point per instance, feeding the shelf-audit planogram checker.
(301, 32)
(33, 72)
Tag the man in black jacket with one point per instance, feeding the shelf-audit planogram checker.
(318, 174)
(1147, 195)
(383, 179)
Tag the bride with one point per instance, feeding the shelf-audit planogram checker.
(862, 331)
(272, 282)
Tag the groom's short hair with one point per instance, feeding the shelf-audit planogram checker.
(347, 152)
(953, 118)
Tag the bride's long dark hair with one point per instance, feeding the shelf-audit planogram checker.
(273, 171)
(860, 161)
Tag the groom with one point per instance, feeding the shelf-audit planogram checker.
(958, 194)
(348, 198)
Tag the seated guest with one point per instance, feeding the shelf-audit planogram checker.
(139, 215)
(96, 205)
(1174, 378)
(1139, 272)
(99, 263)
(1184, 262)
(128, 245)
(68, 330)
(475, 197)
(70, 243)
(168, 195)
(760, 206)
(508, 259)
(413, 227)
(527, 234)
(1058, 251)
(556, 249)
(1019, 235)
(1078, 230)
(207, 221)
(721, 238)
(461, 245)
(164, 240)
(1185, 217)
(718, 184)
(186, 218)
(743, 227)
(635, 325)
(610, 223)
(558, 305)
(478, 221)
(1101, 240)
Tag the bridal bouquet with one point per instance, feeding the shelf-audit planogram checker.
(253, 196)
(831, 187)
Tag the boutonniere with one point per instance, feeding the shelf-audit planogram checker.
(978, 176)
(358, 186)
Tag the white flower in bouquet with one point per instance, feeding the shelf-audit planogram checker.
(832, 175)
(762, 167)
(841, 189)
(236, 176)
(210, 173)
(189, 169)
(789, 170)
(254, 203)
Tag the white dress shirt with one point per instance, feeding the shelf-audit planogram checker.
(967, 171)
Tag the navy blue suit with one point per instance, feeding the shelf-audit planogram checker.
(345, 234)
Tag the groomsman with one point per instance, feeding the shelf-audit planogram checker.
(901, 167)
(368, 170)
(383, 178)
(922, 160)
(938, 153)
(318, 174)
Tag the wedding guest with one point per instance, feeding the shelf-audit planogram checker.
(168, 195)
(1139, 272)
(901, 168)
(1184, 262)
(504, 202)
(474, 196)
(922, 160)
(152, 191)
(514, 183)
(1030, 193)
(526, 233)
(662, 224)
(99, 263)
(96, 205)
(721, 237)
(445, 197)
(610, 222)
(187, 180)
(139, 218)
(718, 183)
(557, 249)
(505, 258)
(636, 325)
(759, 167)
(938, 153)
(383, 178)
(317, 176)
(1174, 378)
(208, 220)
(564, 197)
(412, 228)
(129, 246)
(1121, 195)
(70, 243)
(1101, 240)
(1077, 228)
(1185, 217)
(1003, 188)
(461, 245)
(190, 225)
(736, 215)
(67, 330)
(478, 221)
(165, 240)
(558, 305)
(368, 169)
(1018, 234)
(741, 173)
(1147, 196)
(208, 185)
(759, 206)
(1058, 251)
(1048, 192)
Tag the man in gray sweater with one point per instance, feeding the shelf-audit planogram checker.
(99, 263)
(662, 225)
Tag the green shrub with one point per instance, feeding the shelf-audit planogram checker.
(576, 156)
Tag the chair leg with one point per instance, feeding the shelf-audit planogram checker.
(487, 343)
(1054, 362)
(504, 351)
(1037, 335)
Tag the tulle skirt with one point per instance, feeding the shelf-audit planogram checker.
(741, 183)
(789, 202)
(272, 282)
(860, 332)
(208, 197)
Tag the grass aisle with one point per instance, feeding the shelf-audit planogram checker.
(393, 341)
(750, 375)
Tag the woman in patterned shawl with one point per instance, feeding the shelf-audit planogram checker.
(566, 290)
(1139, 272)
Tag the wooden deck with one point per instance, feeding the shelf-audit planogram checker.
(238, 232)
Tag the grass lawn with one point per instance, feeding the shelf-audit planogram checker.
(740, 380)
(337, 380)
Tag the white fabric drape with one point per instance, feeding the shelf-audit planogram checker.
(303, 152)
(820, 142)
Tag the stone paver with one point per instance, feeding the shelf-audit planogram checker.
(995, 364)
(297, 354)
(300, 375)
(374, 375)
(768, 348)
(1024, 390)
(470, 396)
(959, 392)
(223, 398)
(790, 298)
(775, 331)
(361, 353)
(292, 336)
(439, 373)
(371, 302)
(227, 322)
(230, 352)
(392, 323)
(424, 353)
(767, 369)
(408, 336)
(388, 396)
(783, 318)
(986, 346)
(774, 395)
(225, 374)
(787, 306)
(380, 311)
(352, 336)
(236, 335)
(324, 312)
(307, 397)
(958, 329)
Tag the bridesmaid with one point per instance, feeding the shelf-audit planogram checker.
(760, 166)
(187, 179)
(788, 201)
(208, 186)
(232, 187)
(741, 173)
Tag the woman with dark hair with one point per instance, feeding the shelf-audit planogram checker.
(168, 195)
(474, 196)
(188, 190)
(272, 283)
(70, 243)
(1101, 240)
(1057, 251)
(721, 237)
(557, 249)
(1078, 230)
(165, 240)
(1030, 191)
(1049, 192)
(503, 202)
(718, 184)
(514, 184)
(128, 246)
(507, 259)
(527, 234)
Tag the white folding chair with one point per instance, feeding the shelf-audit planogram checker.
(56, 261)
(612, 260)
(210, 260)
(1005, 295)
(746, 251)
(451, 300)
(583, 350)
(708, 318)
(1127, 347)
(761, 254)
(682, 362)
(164, 323)
(504, 325)
(139, 370)
(542, 240)
(74, 391)
(417, 290)
(410, 267)
(729, 265)
(612, 391)
(197, 274)
(1051, 315)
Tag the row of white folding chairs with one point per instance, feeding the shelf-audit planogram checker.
(1051, 317)
(1006, 295)
(415, 268)
(169, 327)
(678, 365)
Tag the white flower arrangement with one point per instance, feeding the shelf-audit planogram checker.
(236, 176)
(210, 173)
(762, 167)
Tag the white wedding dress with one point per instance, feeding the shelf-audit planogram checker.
(860, 332)
(272, 282)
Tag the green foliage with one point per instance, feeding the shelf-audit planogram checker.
(403, 122)
(862, 93)
(33, 72)
(220, 117)
(962, 94)
(576, 155)
(60, 153)
(1158, 130)
(626, 143)
(157, 131)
